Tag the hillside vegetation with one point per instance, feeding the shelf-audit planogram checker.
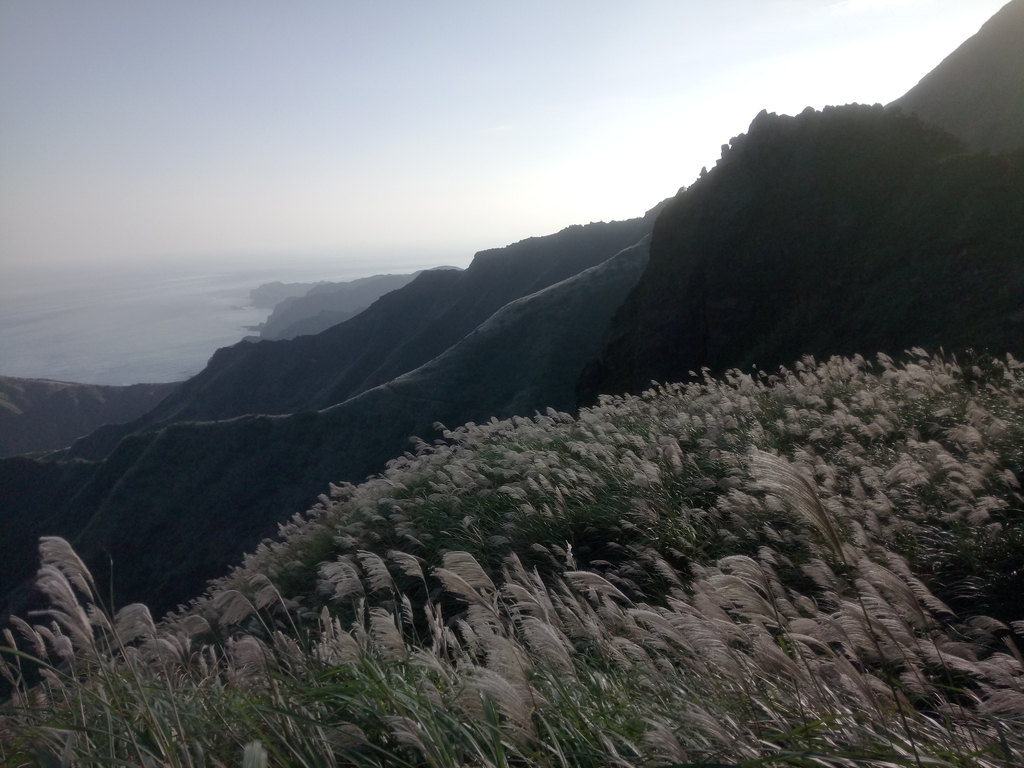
(822, 566)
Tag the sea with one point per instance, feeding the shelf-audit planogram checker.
(144, 324)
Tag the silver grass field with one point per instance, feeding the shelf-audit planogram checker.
(794, 569)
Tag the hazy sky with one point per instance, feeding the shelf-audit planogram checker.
(257, 130)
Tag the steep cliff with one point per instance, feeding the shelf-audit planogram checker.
(853, 230)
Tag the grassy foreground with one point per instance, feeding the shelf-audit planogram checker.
(819, 567)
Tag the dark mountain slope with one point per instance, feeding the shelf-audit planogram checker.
(175, 506)
(853, 230)
(526, 356)
(401, 331)
(977, 92)
(43, 415)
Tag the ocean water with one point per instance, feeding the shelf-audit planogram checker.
(107, 326)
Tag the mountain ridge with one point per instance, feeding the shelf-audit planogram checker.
(304, 315)
(402, 330)
(977, 92)
(45, 415)
(852, 230)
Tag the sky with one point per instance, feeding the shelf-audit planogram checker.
(259, 132)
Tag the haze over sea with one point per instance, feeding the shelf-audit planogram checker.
(157, 323)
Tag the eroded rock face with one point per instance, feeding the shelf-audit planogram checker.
(853, 230)
(977, 92)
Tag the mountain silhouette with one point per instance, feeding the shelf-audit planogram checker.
(852, 230)
(269, 295)
(977, 92)
(327, 304)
